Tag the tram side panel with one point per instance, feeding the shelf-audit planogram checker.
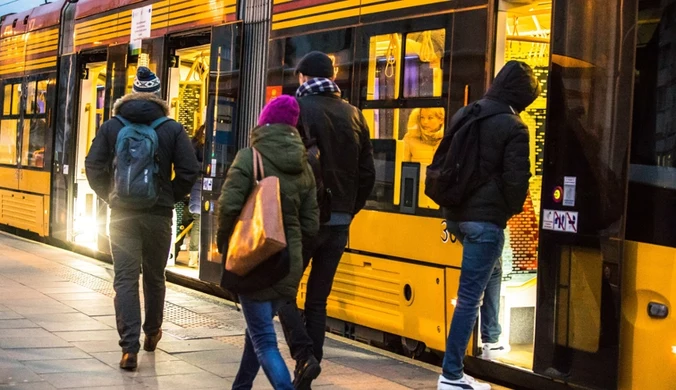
(28, 59)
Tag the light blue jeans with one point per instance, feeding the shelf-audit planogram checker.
(481, 274)
(260, 348)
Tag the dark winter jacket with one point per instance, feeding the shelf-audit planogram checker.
(345, 149)
(504, 150)
(174, 148)
(284, 157)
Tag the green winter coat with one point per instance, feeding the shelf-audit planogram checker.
(284, 156)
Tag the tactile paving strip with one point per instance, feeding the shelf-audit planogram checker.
(195, 324)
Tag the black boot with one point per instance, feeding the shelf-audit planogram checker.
(306, 371)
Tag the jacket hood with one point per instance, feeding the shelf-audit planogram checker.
(515, 85)
(282, 146)
(141, 107)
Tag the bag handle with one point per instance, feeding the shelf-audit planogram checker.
(259, 172)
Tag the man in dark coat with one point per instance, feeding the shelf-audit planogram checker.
(142, 237)
(480, 221)
(348, 171)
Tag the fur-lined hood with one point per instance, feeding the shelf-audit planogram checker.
(141, 107)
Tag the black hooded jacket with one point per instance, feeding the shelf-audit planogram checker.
(504, 150)
(174, 148)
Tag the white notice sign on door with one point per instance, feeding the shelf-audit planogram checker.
(141, 25)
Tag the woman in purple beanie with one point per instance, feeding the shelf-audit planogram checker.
(284, 156)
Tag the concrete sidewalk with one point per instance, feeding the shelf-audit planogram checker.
(57, 330)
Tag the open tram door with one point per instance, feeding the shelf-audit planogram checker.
(104, 76)
(221, 139)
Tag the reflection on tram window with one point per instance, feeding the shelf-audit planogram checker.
(8, 141)
(188, 87)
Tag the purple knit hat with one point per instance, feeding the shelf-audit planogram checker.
(282, 109)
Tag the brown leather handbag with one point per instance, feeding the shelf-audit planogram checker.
(259, 231)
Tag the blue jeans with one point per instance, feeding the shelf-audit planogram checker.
(260, 348)
(305, 336)
(481, 273)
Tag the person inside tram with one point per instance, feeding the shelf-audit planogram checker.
(195, 205)
(425, 131)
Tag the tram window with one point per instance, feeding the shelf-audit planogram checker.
(336, 44)
(423, 63)
(8, 141)
(384, 67)
(12, 99)
(30, 97)
(41, 97)
(7, 102)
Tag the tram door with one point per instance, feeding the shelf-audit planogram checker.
(103, 80)
(584, 191)
(221, 137)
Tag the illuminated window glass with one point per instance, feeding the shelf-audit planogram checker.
(16, 99)
(384, 67)
(30, 97)
(7, 103)
(8, 141)
(34, 142)
(423, 63)
(41, 97)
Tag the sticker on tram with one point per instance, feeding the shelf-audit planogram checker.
(569, 184)
(560, 221)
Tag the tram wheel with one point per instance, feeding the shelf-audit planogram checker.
(413, 348)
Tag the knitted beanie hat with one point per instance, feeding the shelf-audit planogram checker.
(283, 109)
(316, 64)
(146, 81)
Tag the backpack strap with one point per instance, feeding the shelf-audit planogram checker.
(122, 120)
(158, 122)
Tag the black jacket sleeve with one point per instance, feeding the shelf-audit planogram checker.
(186, 167)
(516, 170)
(367, 169)
(99, 162)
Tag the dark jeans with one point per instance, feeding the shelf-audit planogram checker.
(138, 241)
(260, 348)
(480, 274)
(306, 336)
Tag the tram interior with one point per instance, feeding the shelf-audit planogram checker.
(187, 94)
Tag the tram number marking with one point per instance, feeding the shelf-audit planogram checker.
(560, 221)
(445, 235)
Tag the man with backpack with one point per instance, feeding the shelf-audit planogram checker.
(129, 165)
(479, 175)
(336, 134)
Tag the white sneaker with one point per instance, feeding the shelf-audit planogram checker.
(492, 351)
(464, 383)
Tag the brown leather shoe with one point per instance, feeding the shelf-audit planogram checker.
(129, 361)
(150, 342)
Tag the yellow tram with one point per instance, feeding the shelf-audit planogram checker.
(588, 267)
